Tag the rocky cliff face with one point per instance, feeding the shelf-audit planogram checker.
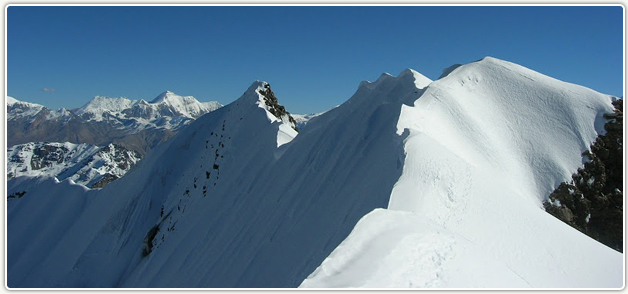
(273, 106)
(85, 164)
(592, 201)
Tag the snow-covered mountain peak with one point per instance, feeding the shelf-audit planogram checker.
(274, 110)
(12, 101)
(484, 145)
(259, 95)
(406, 87)
(420, 81)
(17, 109)
(102, 104)
(166, 96)
(187, 106)
(491, 98)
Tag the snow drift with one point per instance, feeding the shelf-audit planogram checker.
(238, 199)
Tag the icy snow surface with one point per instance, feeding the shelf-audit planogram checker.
(486, 145)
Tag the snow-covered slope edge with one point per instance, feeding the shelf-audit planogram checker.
(486, 145)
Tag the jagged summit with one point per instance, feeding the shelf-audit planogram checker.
(272, 105)
(260, 94)
(166, 95)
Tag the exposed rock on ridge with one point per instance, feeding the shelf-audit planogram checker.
(275, 108)
(592, 201)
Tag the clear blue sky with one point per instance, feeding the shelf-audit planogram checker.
(313, 57)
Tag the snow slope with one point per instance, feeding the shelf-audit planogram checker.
(486, 144)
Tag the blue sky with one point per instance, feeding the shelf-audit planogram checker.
(313, 57)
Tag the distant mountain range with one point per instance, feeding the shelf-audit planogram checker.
(82, 136)
(136, 125)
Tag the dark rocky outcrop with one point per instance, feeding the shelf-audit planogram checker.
(593, 201)
(275, 108)
(46, 155)
(106, 179)
(61, 161)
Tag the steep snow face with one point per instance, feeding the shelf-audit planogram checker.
(485, 145)
(220, 204)
(84, 164)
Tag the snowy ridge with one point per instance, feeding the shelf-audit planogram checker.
(486, 144)
(221, 205)
(224, 204)
(84, 164)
